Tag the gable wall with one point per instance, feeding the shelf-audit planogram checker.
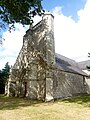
(37, 51)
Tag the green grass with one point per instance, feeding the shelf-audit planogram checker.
(83, 100)
(76, 108)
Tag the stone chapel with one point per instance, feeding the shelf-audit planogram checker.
(39, 72)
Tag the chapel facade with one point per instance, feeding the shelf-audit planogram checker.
(39, 72)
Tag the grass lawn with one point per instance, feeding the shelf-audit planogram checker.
(76, 108)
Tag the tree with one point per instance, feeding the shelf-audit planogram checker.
(6, 71)
(21, 11)
(18, 11)
(1, 83)
(4, 75)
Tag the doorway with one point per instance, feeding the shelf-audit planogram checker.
(25, 86)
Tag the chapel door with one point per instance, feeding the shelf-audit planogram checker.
(25, 92)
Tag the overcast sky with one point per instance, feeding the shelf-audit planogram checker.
(71, 26)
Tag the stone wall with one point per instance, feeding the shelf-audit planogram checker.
(87, 84)
(68, 84)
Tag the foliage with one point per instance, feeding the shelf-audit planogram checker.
(21, 11)
(1, 82)
(4, 75)
(6, 71)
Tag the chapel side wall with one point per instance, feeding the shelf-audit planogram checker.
(68, 84)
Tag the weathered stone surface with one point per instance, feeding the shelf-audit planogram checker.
(68, 84)
(29, 71)
(87, 84)
(49, 89)
(34, 74)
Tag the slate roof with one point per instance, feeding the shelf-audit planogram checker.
(68, 65)
(83, 65)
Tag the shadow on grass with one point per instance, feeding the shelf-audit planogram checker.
(10, 103)
(84, 100)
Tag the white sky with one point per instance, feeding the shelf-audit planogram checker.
(72, 39)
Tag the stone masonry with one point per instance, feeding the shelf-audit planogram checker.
(34, 74)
